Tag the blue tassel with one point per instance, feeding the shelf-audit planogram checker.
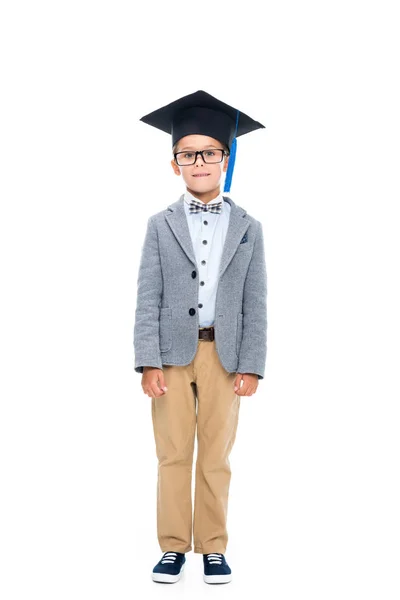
(232, 158)
(231, 164)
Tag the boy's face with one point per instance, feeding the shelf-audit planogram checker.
(212, 171)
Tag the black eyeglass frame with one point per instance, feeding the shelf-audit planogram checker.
(197, 152)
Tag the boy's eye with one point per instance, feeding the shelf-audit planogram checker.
(189, 155)
(210, 153)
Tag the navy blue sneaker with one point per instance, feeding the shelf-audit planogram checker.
(169, 568)
(216, 569)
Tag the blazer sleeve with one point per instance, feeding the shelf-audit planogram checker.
(253, 349)
(146, 335)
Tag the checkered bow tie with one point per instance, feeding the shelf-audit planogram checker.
(196, 207)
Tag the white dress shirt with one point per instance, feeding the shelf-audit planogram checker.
(213, 228)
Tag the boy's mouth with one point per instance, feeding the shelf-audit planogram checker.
(201, 175)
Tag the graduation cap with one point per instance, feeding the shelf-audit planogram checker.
(206, 115)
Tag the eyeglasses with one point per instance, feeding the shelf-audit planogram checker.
(209, 156)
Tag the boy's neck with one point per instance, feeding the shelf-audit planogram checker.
(205, 197)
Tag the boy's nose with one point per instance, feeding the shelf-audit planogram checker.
(198, 156)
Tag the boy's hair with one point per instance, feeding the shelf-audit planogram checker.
(175, 147)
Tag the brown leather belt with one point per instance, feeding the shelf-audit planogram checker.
(206, 333)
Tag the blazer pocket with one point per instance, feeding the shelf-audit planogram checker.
(239, 332)
(245, 247)
(165, 329)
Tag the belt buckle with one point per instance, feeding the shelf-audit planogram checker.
(208, 334)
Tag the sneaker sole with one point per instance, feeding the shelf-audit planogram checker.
(217, 578)
(166, 577)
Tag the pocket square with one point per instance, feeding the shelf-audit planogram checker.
(244, 238)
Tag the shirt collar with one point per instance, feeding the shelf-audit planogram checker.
(188, 197)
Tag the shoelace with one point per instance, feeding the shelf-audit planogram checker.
(214, 559)
(169, 557)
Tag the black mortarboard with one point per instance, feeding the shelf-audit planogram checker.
(206, 115)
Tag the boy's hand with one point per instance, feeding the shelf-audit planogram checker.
(153, 383)
(250, 384)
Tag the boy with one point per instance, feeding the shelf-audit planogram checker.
(200, 330)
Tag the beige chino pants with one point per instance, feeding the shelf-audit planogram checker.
(174, 418)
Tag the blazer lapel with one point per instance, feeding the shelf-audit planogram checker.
(238, 224)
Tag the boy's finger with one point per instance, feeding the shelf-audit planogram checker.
(161, 384)
(156, 390)
(244, 390)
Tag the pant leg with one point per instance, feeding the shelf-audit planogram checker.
(174, 424)
(217, 419)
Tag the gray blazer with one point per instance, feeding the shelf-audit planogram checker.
(166, 317)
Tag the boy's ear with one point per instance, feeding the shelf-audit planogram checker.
(175, 167)
(226, 161)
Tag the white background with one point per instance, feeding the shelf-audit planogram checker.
(314, 497)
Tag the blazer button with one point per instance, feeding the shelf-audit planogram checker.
(200, 305)
(201, 282)
(192, 311)
(194, 274)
